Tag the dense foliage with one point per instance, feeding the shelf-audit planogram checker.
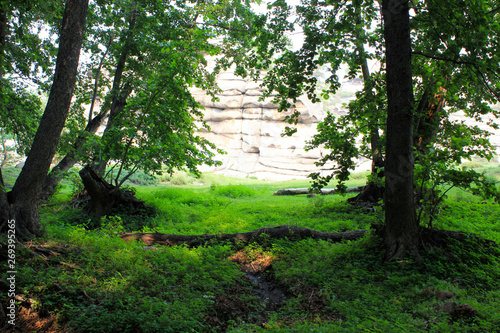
(91, 281)
(26, 64)
(452, 71)
(142, 58)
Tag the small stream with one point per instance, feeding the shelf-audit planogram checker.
(271, 294)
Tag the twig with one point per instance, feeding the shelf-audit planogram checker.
(458, 62)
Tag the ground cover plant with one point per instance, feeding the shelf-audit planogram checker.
(106, 281)
(81, 279)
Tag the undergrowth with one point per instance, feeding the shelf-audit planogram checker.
(369, 294)
(89, 280)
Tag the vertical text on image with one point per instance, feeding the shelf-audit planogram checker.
(11, 273)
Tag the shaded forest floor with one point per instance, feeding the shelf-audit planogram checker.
(81, 277)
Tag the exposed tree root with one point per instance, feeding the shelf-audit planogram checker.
(104, 196)
(370, 195)
(288, 231)
(430, 237)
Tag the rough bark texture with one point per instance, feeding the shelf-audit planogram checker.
(284, 231)
(24, 196)
(104, 196)
(119, 93)
(57, 172)
(401, 228)
(118, 102)
(372, 192)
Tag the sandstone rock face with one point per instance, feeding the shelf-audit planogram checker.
(250, 129)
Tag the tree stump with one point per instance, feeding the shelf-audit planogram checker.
(104, 196)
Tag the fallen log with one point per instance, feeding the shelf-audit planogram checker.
(323, 191)
(283, 231)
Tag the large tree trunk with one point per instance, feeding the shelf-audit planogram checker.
(23, 199)
(102, 193)
(119, 97)
(93, 124)
(57, 172)
(401, 228)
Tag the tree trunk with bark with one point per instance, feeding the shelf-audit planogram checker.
(118, 101)
(57, 172)
(259, 235)
(104, 196)
(372, 192)
(22, 201)
(401, 232)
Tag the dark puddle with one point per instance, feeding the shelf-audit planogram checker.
(270, 293)
(260, 273)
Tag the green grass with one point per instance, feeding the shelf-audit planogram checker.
(10, 175)
(92, 281)
(233, 208)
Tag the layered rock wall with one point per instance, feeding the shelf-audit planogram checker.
(249, 130)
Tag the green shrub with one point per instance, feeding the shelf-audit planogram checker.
(356, 283)
(142, 178)
(121, 287)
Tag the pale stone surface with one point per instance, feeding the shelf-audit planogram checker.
(250, 130)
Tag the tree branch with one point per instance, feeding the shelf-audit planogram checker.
(486, 84)
(455, 61)
(96, 80)
(493, 11)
